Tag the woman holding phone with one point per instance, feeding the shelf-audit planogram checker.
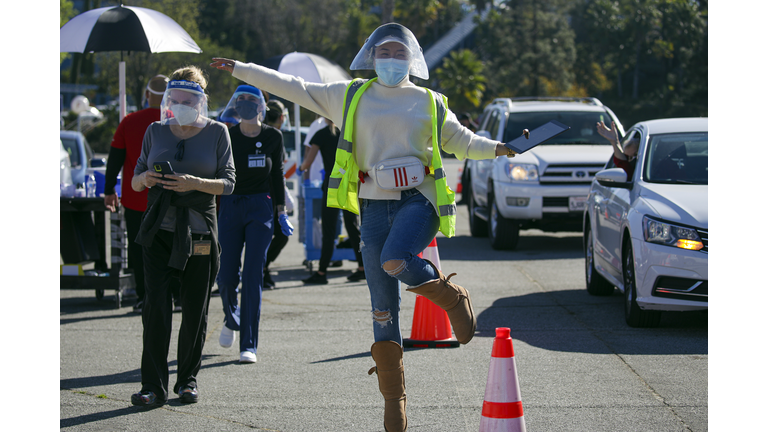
(179, 230)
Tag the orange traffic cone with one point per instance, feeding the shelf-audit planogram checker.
(502, 407)
(431, 326)
(459, 187)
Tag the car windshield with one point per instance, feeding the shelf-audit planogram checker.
(70, 145)
(583, 126)
(681, 158)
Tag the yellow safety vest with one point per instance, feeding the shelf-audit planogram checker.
(343, 183)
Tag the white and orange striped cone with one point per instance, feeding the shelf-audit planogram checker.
(502, 406)
(431, 326)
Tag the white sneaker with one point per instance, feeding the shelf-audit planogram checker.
(247, 357)
(227, 337)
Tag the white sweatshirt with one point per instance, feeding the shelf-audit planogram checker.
(390, 122)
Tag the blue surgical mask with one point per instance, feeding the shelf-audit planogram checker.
(392, 71)
(184, 114)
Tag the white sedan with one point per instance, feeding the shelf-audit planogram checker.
(647, 234)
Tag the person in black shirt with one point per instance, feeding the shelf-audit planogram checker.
(274, 118)
(325, 141)
(246, 218)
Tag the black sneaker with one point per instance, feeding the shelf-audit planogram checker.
(356, 276)
(336, 264)
(146, 398)
(188, 394)
(138, 306)
(316, 279)
(268, 282)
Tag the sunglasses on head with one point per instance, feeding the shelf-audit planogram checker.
(179, 151)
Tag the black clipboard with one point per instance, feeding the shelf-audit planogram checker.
(537, 136)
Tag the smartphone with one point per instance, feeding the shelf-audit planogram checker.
(163, 168)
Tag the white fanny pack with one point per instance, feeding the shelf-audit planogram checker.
(398, 173)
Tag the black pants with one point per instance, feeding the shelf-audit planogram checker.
(158, 309)
(329, 219)
(279, 240)
(136, 253)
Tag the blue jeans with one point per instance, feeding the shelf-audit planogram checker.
(244, 220)
(395, 230)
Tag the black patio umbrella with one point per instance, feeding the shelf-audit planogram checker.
(124, 28)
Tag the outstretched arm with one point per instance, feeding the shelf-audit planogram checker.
(612, 135)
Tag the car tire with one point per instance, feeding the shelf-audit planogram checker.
(635, 316)
(503, 233)
(597, 285)
(477, 226)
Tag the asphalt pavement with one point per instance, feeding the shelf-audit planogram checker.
(577, 372)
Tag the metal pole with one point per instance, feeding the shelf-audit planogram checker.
(297, 133)
(122, 87)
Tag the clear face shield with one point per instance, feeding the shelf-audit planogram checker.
(247, 105)
(184, 104)
(144, 100)
(405, 53)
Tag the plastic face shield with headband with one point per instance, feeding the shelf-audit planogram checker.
(392, 32)
(184, 103)
(247, 105)
(144, 100)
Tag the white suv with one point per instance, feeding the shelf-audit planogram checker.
(546, 187)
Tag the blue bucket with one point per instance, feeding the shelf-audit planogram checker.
(100, 180)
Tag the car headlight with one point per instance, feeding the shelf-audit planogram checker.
(668, 234)
(522, 172)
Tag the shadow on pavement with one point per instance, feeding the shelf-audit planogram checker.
(346, 357)
(574, 321)
(103, 415)
(132, 376)
(529, 247)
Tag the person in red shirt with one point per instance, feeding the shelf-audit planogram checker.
(624, 157)
(123, 153)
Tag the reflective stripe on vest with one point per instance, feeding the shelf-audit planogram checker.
(342, 184)
(446, 204)
(342, 187)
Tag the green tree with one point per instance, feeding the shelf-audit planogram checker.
(684, 57)
(461, 80)
(66, 12)
(529, 48)
(650, 54)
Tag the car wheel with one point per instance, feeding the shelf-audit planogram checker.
(597, 285)
(477, 226)
(504, 233)
(635, 316)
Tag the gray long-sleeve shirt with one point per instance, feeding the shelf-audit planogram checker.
(207, 155)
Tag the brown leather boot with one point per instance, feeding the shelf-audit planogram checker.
(452, 298)
(388, 356)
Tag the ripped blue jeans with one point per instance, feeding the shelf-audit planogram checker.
(395, 231)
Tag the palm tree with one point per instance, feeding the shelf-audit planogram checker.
(461, 80)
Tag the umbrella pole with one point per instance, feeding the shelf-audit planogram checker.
(297, 135)
(122, 86)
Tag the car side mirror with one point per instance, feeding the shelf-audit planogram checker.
(484, 134)
(613, 177)
(98, 162)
